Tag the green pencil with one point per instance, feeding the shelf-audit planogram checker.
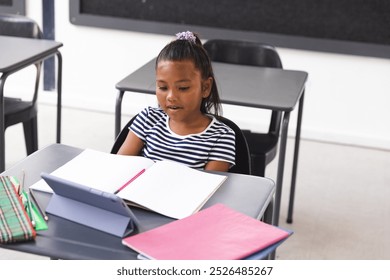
(30, 209)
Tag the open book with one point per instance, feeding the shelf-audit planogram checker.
(168, 188)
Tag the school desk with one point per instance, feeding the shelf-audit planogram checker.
(18, 53)
(242, 85)
(67, 240)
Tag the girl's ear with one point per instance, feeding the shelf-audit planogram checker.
(206, 87)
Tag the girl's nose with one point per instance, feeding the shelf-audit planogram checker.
(171, 95)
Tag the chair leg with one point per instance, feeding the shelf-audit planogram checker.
(31, 135)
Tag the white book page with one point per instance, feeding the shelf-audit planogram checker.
(103, 171)
(172, 189)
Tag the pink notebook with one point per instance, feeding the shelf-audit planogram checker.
(215, 233)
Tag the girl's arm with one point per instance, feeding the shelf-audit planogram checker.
(132, 145)
(217, 166)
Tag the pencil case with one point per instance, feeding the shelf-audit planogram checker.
(15, 225)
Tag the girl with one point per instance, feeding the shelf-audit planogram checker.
(184, 127)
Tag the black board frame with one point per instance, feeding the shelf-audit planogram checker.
(77, 17)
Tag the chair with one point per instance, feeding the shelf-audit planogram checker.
(243, 159)
(243, 162)
(121, 137)
(262, 146)
(17, 110)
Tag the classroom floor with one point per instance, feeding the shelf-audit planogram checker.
(342, 209)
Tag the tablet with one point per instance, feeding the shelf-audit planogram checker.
(88, 206)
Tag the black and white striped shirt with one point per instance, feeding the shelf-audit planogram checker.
(216, 142)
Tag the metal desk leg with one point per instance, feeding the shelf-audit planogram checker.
(279, 177)
(118, 112)
(269, 213)
(59, 96)
(295, 162)
(267, 218)
(2, 123)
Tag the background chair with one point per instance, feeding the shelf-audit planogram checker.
(243, 162)
(262, 146)
(17, 110)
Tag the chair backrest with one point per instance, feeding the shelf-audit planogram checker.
(243, 161)
(121, 137)
(19, 26)
(243, 158)
(247, 53)
(243, 52)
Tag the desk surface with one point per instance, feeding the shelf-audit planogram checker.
(15, 55)
(67, 240)
(259, 87)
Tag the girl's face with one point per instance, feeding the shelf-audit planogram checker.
(180, 89)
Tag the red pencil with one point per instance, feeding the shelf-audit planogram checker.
(131, 180)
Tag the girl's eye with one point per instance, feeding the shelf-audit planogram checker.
(162, 88)
(183, 88)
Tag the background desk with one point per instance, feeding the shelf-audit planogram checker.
(67, 240)
(249, 86)
(16, 54)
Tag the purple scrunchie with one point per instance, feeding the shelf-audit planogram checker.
(186, 35)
